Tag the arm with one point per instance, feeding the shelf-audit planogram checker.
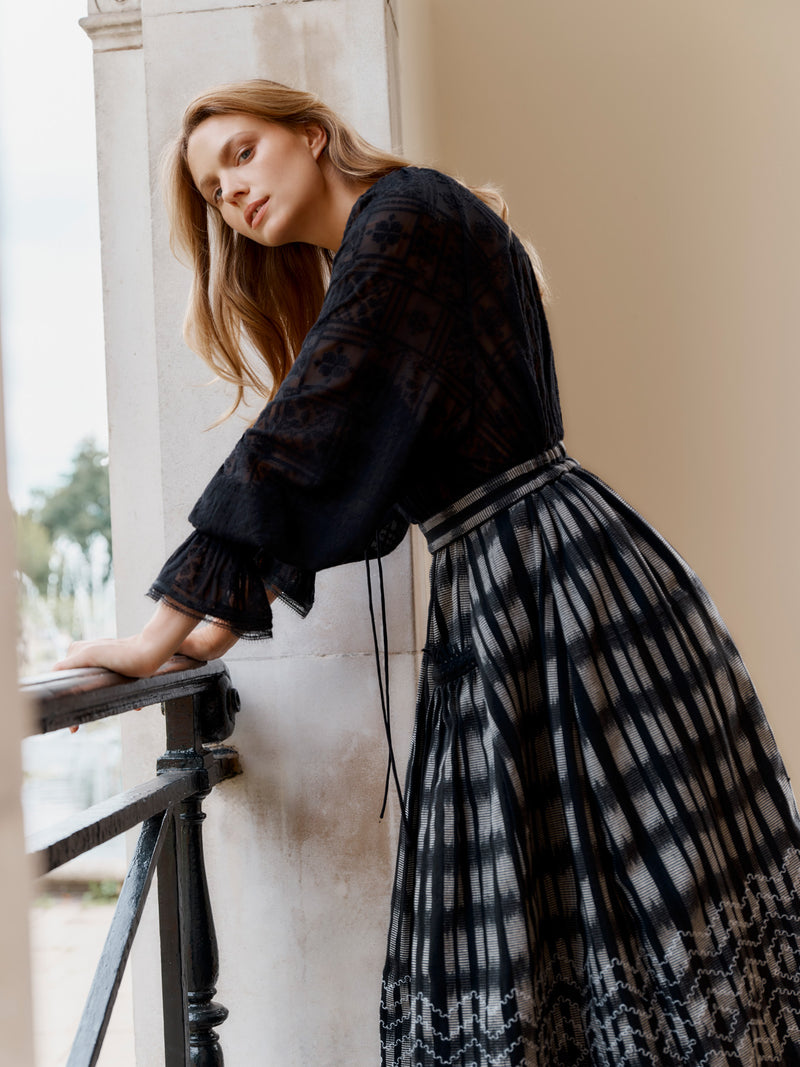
(209, 641)
(322, 467)
(138, 656)
(325, 464)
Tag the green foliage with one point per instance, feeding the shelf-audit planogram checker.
(34, 549)
(105, 892)
(64, 560)
(79, 509)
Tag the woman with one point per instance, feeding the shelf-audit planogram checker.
(599, 857)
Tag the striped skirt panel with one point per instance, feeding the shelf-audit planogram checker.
(601, 863)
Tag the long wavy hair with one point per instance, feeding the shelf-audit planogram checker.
(251, 306)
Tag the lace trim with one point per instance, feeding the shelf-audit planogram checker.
(478, 1043)
(780, 1003)
(487, 1060)
(634, 1058)
(301, 608)
(249, 634)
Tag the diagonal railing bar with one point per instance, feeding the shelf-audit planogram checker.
(199, 707)
(96, 1015)
(52, 847)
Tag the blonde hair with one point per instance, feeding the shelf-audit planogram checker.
(249, 299)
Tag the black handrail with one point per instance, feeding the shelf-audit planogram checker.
(200, 707)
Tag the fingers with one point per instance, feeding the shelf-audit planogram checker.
(76, 657)
(69, 662)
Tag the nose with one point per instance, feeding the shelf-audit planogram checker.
(232, 186)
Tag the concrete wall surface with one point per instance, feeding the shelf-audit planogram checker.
(651, 152)
(299, 864)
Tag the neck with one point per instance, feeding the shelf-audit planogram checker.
(341, 196)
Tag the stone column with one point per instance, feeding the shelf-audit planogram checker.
(298, 862)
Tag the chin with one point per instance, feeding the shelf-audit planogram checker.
(270, 239)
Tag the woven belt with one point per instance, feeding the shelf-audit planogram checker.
(493, 496)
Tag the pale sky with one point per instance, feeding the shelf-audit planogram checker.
(51, 311)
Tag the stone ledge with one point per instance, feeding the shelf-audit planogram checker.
(114, 31)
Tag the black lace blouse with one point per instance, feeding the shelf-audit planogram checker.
(428, 371)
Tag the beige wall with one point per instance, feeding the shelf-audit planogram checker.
(651, 151)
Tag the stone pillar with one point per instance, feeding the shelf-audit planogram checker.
(299, 864)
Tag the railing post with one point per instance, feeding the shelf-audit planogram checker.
(189, 723)
(202, 958)
(200, 708)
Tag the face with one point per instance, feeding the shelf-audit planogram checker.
(263, 178)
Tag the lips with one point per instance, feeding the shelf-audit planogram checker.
(254, 213)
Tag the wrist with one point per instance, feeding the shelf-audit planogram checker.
(139, 658)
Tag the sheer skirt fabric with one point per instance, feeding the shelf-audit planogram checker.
(602, 860)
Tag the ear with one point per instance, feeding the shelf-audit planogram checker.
(317, 139)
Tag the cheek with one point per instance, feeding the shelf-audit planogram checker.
(232, 219)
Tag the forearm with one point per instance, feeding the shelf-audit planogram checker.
(163, 635)
(208, 641)
(168, 631)
(213, 639)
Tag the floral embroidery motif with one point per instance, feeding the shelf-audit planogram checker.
(333, 364)
(387, 232)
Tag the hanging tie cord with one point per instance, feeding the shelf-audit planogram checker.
(383, 679)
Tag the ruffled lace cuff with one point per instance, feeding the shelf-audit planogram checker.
(294, 586)
(208, 578)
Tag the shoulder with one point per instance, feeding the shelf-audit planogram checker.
(405, 234)
(415, 190)
(413, 212)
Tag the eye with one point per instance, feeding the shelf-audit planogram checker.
(244, 155)
(216, 196)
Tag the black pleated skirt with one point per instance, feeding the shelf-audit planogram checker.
(601, 861)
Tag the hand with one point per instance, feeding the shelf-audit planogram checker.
(125, 655)
(138, 656)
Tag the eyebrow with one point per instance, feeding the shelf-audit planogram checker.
(224, 153)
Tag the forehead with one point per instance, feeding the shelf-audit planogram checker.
(207, 141)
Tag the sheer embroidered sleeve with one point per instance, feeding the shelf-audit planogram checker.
(209, 577)
(317, 479)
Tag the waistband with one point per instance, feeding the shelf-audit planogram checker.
(495, 495)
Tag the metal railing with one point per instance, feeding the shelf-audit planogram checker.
(199, 706)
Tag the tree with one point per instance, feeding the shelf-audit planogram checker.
(79, 509)
(34, 550)
(64, 560)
